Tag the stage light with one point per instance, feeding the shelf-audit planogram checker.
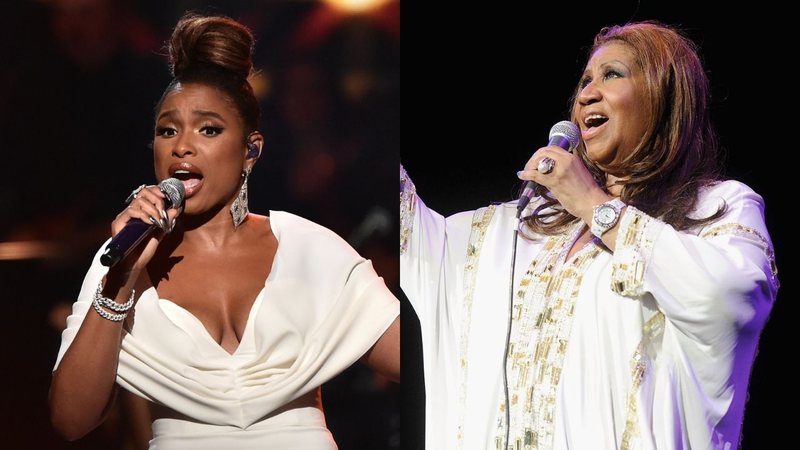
(357, 6)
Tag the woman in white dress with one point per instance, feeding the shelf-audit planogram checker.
(642, 279)
(227, 322)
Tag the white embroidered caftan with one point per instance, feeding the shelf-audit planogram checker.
(650, 347)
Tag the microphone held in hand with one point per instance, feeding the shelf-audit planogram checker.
(135, 230)
(564, 134)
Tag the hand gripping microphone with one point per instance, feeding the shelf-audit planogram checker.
(564, 134)
(135, 230)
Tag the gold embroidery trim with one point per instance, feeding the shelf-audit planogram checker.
(652, 331)
(634, 246)
(408, 195)
(747, 233)
(543, 310)
(480, 223)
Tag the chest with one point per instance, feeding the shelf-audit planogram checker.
(219, 289)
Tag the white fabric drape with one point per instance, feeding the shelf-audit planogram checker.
(322, 307)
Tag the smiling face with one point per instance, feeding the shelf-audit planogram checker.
(200, 140)
(611, 104)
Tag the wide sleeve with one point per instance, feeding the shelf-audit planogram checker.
(432, 248)
(712, 289)
(704, 283)
(82, 305)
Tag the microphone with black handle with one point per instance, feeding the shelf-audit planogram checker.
(135, 230)
(564, 134)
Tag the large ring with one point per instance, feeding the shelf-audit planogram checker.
(546, 165)
(134, 194)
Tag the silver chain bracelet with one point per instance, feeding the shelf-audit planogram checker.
(101, 302)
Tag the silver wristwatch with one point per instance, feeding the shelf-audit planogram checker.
(605, 216)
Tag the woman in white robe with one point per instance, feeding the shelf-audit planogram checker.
(634, 325)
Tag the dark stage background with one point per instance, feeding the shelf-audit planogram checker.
(484, 84)
(78, 84)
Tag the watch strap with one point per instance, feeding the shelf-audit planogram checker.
(598, 228)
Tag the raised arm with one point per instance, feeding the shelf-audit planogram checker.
(84, 379)
(430, 245)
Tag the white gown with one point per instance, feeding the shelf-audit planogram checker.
(322, 307)
(650, 347)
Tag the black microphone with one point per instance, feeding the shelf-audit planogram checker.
(135, 230)
(564, 134)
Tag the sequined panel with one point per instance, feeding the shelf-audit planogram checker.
(634, 245)
(408, 195)
(543, 309)
(747, 233)
(652, 332)
(480, 222)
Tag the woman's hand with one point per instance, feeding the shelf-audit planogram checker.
(569, 181)
(84, 384)
(149, 207)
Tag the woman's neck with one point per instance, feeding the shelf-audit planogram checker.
(208, 230)
(613, 188)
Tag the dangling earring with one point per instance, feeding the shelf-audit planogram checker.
(239, 208)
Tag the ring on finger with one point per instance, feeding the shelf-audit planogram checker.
(134, 194)
(546, 165)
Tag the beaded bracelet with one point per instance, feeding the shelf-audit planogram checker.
(101, 302)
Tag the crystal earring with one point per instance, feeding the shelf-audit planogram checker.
(239, 208)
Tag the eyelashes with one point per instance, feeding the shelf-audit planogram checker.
(608, 74)
(208, 131)
(211, 131)
(166, 131)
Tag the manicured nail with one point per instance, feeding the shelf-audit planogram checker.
(519, 173)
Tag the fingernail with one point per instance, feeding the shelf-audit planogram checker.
(153, 221)
(519, 173)
(172, 224)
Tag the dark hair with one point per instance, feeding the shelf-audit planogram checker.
(679, 152)
(216, 51)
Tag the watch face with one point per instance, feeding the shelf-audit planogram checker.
(606, 215)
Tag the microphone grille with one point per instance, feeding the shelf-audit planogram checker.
(173, 189)
(569, 130)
